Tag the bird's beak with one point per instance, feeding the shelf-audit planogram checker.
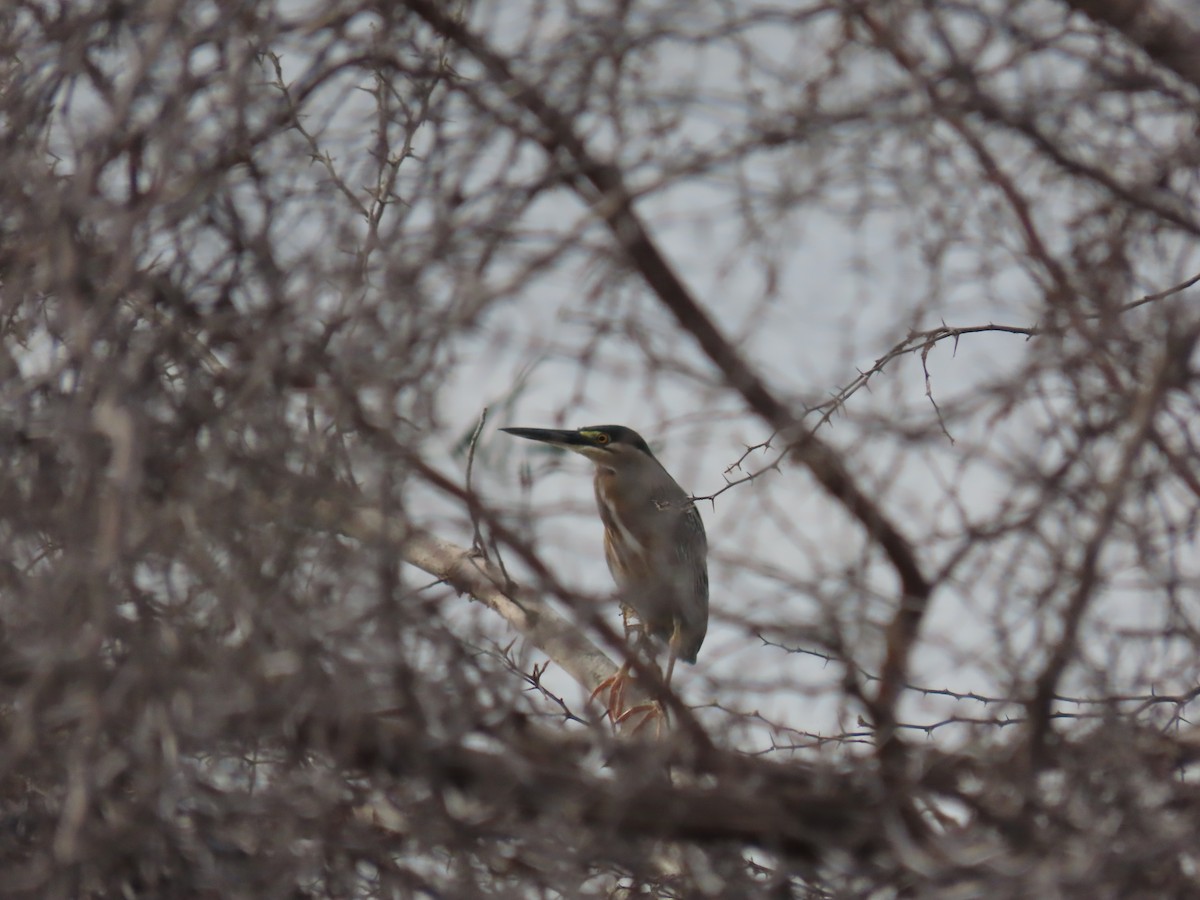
(557, 437)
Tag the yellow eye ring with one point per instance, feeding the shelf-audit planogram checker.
(601, 438)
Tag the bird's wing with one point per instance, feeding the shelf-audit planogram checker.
(639, 548)
(691, 546)
(672, 533)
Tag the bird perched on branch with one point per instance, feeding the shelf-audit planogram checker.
(654, 539)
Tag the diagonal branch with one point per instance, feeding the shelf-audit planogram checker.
(469, 573)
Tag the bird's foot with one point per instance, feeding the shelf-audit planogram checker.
(618, 714)
(614, 686)
(650, 712)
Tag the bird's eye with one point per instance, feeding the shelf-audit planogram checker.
(601, 438)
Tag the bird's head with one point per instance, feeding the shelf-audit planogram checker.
(613, 446)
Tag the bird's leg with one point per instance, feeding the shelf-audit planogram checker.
(635, 631)
(673, 651)
(656, 711)
(635, 634)
(635, 639)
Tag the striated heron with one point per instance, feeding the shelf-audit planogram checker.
(654, 538)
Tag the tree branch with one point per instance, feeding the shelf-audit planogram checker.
(797, 810)
(469, 573)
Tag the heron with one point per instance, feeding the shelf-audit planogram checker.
(654, 540)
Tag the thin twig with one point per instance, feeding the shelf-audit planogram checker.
(477, 544)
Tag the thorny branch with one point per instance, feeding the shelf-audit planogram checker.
(920, 342)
